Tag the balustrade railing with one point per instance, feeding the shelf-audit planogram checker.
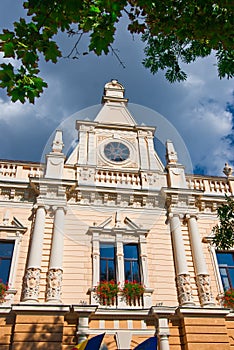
(209, 185)
(117, 178)
(8, 170)
(20, 171)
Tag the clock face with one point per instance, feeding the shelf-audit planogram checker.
(116, 151)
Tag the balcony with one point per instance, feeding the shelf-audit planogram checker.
(211, 185)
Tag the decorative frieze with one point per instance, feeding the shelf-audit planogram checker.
(184, 289)
(31, 284)
(146, 200)
(17, 194)
(54, 285)
(204, 290)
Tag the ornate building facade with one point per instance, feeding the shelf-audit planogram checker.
(112, 211)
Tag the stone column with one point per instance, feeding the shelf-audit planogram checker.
(83, 328)
(163, 333)
(54, 276)
(202, 276)
(32, 277)
(182, 275)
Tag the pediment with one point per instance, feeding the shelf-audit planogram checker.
(118, 223)
(115, 113)
(15, 225)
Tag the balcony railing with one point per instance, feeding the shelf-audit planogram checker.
(120, 302)
(20, 171)
(116, 178)
(210, 185)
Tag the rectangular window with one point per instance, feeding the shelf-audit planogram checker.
(226, 269)
(6, 252)
(107, 262)
(131, 263)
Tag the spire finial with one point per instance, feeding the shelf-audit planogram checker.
(171, 153)
(227, 170)
(57, 145)
(114, 91)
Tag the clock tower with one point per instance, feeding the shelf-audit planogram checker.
(114, 151)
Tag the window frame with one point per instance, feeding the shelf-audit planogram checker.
(13, 232)
(107, 259)
(120, 236)
(100, 236)
(4, 241)
(227, 267)
(131, 261)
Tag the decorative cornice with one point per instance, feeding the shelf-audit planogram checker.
(201, 311)
(42, 307)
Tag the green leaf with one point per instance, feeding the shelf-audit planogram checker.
(51, 52)
(8, 49)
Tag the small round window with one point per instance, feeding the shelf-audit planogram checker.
(116, 151)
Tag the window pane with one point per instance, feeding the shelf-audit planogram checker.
(131, 251)
(103, 270)
(127, 269)
(6, 251)
(107, 251)
(111, 270)
(4, 270)
(107, 262)
(135, 271)
(231, 276)
(225, 259)
(226, 269)
(131, 262)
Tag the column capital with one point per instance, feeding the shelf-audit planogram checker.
(191, 215)
(95, 236)
(56, 207)
(40, 205)
(173, 215)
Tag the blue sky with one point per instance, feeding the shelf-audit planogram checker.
(200, 109)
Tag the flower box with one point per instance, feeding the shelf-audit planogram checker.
(132, 293)
(106, 292)
(3, 289)
(228, 298)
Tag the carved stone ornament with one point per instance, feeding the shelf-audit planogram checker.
(184, 289)
(204, 290)
(31, 283)
(54, 284)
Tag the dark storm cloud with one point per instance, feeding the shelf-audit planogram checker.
(197, 108)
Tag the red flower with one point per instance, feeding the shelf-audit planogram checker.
(106, 292)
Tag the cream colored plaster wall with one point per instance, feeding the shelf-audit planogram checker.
(161, 265)
(77, 261)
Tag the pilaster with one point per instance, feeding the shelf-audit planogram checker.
(32, 276)
(54, 275)
(202, 276)
(182, 274)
